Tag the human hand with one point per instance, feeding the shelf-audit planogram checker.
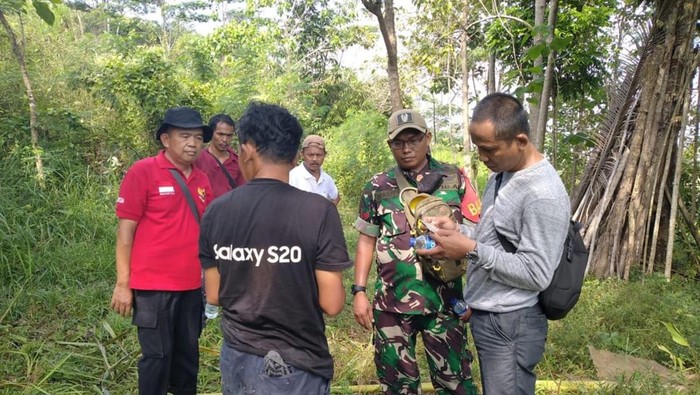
(451, 244)
(440, 223)
(122, 300)
(467, 314)
(362, 310)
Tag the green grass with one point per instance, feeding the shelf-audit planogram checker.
(58, 335)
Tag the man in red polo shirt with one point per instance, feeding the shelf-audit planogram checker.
(218, 161)
(158, 270)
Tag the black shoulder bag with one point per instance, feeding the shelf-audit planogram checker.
(563, 292)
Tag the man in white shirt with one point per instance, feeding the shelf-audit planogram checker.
(309, 176)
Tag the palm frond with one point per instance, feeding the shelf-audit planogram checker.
(616, 129)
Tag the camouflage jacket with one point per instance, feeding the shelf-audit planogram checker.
(401, 286)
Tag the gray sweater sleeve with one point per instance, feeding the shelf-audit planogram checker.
(532, 212)
(539, 246)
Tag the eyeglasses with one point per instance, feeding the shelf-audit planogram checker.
(400, 144)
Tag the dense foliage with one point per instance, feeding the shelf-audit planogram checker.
(59, 336)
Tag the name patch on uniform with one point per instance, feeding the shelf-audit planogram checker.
(169, 190)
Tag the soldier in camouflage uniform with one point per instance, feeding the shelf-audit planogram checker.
(407, 301)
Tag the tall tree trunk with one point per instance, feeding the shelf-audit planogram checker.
(696, 140)
(540, 6)
(165, 37)
(491, 72)
(617, 195)
(434, 128)
(466, 138)
(555, 135)
(675, 188)
(449, 103)
(689, 222)
(18, 51)
(491, 76)
(659, 198)
(541, 125)
(386, 26)
(80, 24)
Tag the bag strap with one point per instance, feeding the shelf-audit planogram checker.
(499, 178)
(507, 245)
(231, 181)
(401, 180)
(186, 192)
(403, 183)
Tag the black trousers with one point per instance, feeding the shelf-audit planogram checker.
(169, 324)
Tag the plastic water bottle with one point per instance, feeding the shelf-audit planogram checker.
(211, 311)
(422, 242)
(459, 306)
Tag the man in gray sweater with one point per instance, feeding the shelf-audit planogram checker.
(526, 203)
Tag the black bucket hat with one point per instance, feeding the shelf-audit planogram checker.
(185, 118)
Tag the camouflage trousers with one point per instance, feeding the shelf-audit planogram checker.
(445, 340)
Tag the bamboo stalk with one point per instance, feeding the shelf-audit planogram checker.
(675, 193)
(689, 221)
(661, 185)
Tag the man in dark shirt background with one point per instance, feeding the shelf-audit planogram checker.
(273, 257)
(218, 160)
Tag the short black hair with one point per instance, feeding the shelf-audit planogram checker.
(505, 112)
(275, 132)
(216, 119)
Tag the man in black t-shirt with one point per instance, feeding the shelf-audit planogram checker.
(273, 257)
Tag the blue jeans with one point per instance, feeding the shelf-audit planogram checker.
(243, 374)
(509, 346)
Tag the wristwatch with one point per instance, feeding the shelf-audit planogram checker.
(357, 288)
(473, 255)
